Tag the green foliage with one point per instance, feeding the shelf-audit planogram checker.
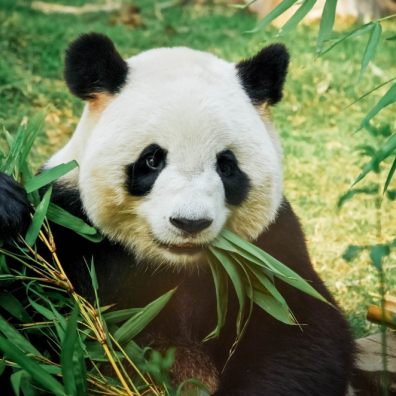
(136, 323)
(72, 358)
(40, 375)
(371, 47)
(252, 273)
(326, 23)
(325, 31)
(48, 176)
(298, 16)
(48, 297)
(277, 11)
(60, 216)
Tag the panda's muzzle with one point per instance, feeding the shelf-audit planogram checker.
(190, 226)
(183, 248)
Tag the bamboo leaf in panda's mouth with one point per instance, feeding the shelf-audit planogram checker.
(252, 272)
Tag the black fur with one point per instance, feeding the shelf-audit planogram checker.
(93, 65)
(236, 183)
(280, 360)
(264, 74)
(271, 359)
(14, 208)
(140, 177)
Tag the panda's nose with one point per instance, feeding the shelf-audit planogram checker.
(191, 226)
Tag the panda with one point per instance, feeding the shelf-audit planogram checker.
(174, 145)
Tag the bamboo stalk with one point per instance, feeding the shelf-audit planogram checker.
(88, 312)
(375, 314)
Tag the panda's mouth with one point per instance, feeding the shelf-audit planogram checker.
(183, 248)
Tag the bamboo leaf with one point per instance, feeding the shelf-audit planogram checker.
(388, 99)
(273, 307)
(3, 366)
(267, 284)
(92, 274)
(232, 271)
(16, 143)
(221, 287)
(115, 317)
(243, 248)
(13, 306)
(292, 278)
(16, 379)
(298, 16)
(60, 216)
(21, 145)
(326, 23)
(352, 252)
(391, 195)
(355, 32)
(386, 150)
(32, 129)
(277, 11)
(48, 176)
(50, 314)
(21, 380)
(137, 323)
(3, 265)
(281, 271)
(377, 254)
(390, 175)
(39, 375)
(38, 218)
(371, 47)
(229, 265)
(17, 339)
(8, 138)
(370, 92)
(368, 190)
(72, 368)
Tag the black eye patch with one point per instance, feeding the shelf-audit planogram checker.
(142, 174)
(236, 183)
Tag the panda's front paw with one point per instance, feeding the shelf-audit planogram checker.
(14, 208)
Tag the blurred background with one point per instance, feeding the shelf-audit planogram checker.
(317, 120)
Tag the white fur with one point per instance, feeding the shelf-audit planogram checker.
(192, 104)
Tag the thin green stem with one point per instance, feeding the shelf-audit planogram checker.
(384, 342)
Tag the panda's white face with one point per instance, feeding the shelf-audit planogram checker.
(179, 153)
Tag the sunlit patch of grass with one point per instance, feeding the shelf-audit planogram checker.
(316, 127)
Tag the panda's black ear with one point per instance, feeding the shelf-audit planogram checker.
(264, 74)
(93, 65)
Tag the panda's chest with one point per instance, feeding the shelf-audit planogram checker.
(188, 317)
(192, 360)
(183, 324)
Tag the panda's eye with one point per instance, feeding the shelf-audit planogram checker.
(236, 183)
(155, 160)
(142, 173)
(224, 168)
(226, 163)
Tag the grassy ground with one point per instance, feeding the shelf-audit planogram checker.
(314, 122)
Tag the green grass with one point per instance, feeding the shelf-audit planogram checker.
(316, 127)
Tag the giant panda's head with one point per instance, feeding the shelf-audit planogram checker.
(173, 146)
